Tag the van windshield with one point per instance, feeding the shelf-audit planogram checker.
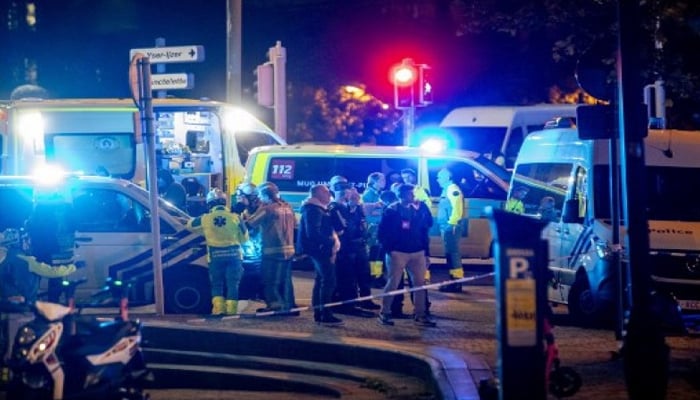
(480, 139)
(670, 193)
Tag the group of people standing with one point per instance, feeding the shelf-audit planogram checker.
(340, 231)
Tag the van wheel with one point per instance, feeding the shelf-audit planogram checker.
(585, 309)
(187, 291)
(582, 305)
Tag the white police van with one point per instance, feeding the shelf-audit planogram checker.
(113, 239)
(574, 173)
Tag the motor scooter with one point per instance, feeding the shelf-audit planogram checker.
(63, 355)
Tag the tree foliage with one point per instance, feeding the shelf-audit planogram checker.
(346, 115)
(572, 28)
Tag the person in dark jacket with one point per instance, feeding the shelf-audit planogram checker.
(318, 240)
(403, 232)
(352, 263)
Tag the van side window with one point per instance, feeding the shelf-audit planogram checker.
(298, 174)
(547, 183)
(17, 206)
(109, 211)
(471, 180)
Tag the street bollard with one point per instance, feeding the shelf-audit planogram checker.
(521, 303)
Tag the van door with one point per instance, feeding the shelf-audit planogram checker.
(547, 185)
(575, 238)
(113, 234)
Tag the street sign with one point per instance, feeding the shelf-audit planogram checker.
(172, 81)
(172, 54)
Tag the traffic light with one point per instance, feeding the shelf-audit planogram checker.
(264, 82)
(425, 86)
(404, 77)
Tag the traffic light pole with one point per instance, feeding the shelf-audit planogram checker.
(278, 58)
(409, 120)
(645, 353)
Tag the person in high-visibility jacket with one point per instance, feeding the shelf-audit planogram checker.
(449, 215)
(224, 232)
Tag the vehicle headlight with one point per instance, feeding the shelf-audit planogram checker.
(26, 335)
(604, 249)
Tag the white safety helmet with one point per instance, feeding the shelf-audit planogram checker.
(216, 197)
(246, 189)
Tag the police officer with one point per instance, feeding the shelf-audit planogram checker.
(224, 232)
(449, 215)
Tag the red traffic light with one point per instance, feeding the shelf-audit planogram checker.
(404, 75)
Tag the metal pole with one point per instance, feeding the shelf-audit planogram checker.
(278, 57)
(233, 51)
(408, 122)
(645, 353)
(146, 110)
(160, 69)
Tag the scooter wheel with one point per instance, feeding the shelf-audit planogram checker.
(564, 382)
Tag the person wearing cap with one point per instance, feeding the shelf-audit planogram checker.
(224, 232)
(276, 221)
(449, 217)
(515, 202)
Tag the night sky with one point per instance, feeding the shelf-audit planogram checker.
(82, 48)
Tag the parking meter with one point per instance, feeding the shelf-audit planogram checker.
(521, 302)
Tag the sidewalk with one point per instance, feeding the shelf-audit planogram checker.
(463, 345)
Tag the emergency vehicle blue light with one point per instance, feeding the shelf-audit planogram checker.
(49, 174)
(433, 139)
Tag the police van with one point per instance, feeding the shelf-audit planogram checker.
(296, 168)
(113, 239)
(501, 129)
(555, 164)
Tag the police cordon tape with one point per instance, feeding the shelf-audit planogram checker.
(339, 303)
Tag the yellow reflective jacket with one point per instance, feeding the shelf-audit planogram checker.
(221, 227)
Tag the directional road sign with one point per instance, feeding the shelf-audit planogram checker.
(172, 54)
(172, 81)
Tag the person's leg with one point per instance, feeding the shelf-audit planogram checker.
(234, 273)
(450, 237)
(344, 278)
(395, 262)
(287, 286)
(272, 271)
(416, 271)
(216, 279)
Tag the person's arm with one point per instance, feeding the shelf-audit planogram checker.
(195, 224)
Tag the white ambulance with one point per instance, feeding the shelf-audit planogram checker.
(557, 165)
(203, 143)
(295, 168)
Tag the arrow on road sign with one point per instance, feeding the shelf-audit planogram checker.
(172, 54)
